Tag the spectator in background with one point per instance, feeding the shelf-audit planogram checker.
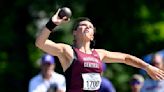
(157, 61)
(151, 85)
(106, 84)
(136, 83)
(47, 80)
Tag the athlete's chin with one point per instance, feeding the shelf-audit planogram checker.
(87, 39)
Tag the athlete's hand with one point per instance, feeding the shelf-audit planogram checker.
(57, 20)
(155, 73)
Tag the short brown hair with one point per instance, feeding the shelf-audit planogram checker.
(77, 21)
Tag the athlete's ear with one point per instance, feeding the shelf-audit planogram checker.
(92, 37)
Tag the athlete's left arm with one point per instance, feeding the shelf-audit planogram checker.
(131, 60)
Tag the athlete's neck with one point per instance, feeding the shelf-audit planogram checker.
(83, 47)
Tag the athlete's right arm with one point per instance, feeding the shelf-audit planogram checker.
(47, 45)
(63, 51)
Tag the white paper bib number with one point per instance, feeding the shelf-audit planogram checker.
(91, 81)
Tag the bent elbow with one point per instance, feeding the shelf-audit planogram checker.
(38, 44)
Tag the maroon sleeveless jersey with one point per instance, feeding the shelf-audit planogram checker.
(82, 73)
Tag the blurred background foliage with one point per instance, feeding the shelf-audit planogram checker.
(130, 26)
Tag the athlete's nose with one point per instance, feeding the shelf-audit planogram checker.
(87, 27)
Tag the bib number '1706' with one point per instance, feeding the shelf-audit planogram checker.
(91, 81)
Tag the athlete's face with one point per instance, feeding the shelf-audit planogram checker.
(85, 30)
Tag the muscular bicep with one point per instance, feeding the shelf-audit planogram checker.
(53, 48)
(112, 57)
(47, 45)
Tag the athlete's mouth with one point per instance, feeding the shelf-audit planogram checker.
(86, 31)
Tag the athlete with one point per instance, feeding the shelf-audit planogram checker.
(83, 65)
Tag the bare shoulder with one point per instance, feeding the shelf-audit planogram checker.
(100, 50)
(66, 48)
(109, 56)
(101, 53)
